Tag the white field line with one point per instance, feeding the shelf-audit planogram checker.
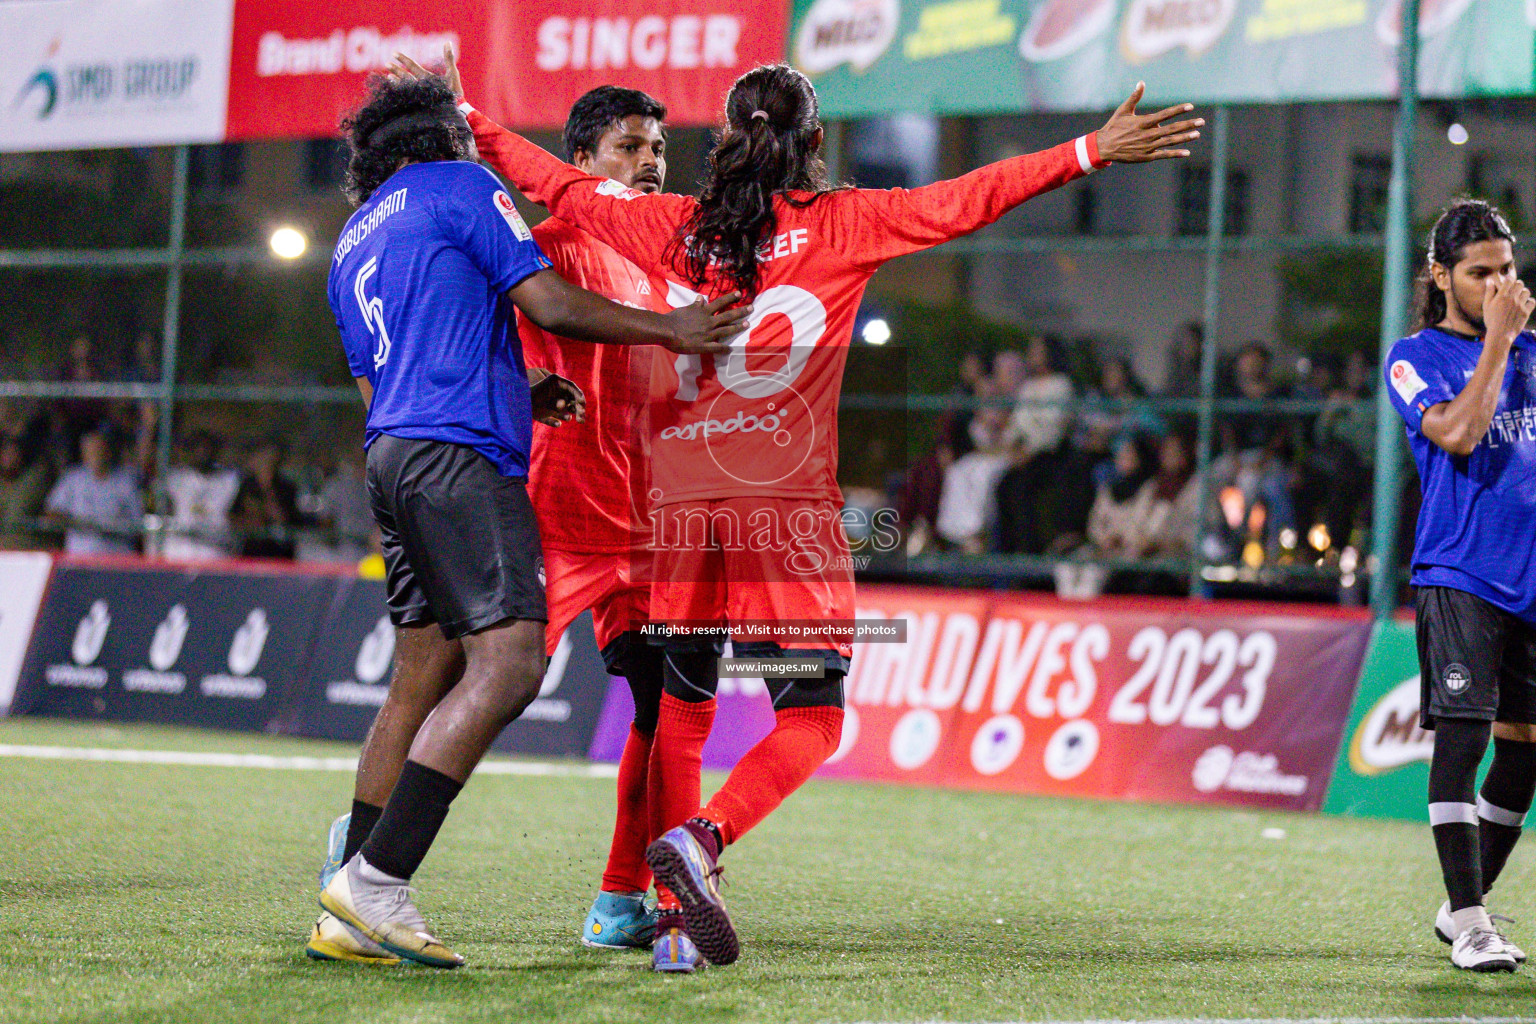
(1263, 1020)
(203, 759)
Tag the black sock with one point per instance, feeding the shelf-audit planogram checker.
(364, 817)
(1506, 797)
(1459, 747)
(410, 821)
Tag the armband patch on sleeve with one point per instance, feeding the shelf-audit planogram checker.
(511, 216)
(1406, 380)
(619, 190)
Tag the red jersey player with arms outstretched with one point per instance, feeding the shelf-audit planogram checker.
(744, 447)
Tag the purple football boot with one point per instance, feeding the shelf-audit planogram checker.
(683, 862)
(672, 951)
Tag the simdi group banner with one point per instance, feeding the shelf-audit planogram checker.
(1135, 700)
(873, 57)
(96, 73)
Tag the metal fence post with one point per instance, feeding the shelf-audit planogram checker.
(1394, 311)
(1215, 228)
(171, 325)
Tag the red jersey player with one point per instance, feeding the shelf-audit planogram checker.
(588, 484)
(744, 451)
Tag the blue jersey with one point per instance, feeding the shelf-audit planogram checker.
(1477, 526)
(418, 286)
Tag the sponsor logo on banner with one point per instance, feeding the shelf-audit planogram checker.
(1247, 772)
(244, 655)
(1059, 28)
(374, 656)
(90, 634)
(1389, 737)
(1071, 750)
(856, 32)
(649, 42)
(92, 73)
(26, 577)
(1154, 27)
(997, 744)
(164, 649)
(915, 739)
(358, 50)
(959, 26)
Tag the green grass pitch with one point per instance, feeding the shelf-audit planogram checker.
(166, 893)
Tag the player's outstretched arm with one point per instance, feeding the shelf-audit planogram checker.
(638, 226)
(879, 224)
(1459, 425)
(559, 307)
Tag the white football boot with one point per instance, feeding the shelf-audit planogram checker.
(1479, 949)
(1444, 927)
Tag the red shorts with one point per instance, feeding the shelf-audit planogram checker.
(747, 561)
(612, 584)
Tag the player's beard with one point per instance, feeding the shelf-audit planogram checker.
(1476, 321)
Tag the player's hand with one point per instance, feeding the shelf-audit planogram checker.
(1507, 306)
(405, 67)
(1132, 138)
(704, 328)
(557, 400)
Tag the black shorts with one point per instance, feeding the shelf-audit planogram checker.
(460, 542)
(1475, 661)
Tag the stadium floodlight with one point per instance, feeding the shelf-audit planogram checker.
(1457, 134)
(288, 243)
(877, 332)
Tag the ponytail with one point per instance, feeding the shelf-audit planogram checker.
(768, 148)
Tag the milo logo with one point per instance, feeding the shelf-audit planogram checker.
(1389, 736)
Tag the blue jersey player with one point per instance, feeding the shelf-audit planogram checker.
(1466, 387)
(423, 284)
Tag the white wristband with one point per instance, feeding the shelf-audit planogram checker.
(1082, 155)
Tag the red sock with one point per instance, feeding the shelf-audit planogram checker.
(801, 741)
(627, 871)
(677, 758)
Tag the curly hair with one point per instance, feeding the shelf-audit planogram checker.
(402, 121)
(768, 149)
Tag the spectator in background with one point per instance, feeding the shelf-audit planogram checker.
(82, 365)
(345, 509)
(965, 508)
(1181, 377)
(922, 486)
(1338, 472)
(973, 371)
(266, 507)
(201, 494)
(1039, 506)
(1111, 520)
(23, 489)
(1106, 420)
(1260, 442)
(97, 503)
(1165, 513)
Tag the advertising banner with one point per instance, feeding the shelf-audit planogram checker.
(873, 57)
(26, 577)
(97, 73)
(216, 649)
(1383, 768)
(1147, 700)
(295, 69)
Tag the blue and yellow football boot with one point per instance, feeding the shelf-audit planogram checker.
(619, 920)
(334, 939)
(335, 846)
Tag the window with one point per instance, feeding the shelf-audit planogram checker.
(1368, 185)
(1195, 197)
(217, 168)
(325, 162)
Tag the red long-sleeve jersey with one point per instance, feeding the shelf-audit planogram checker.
(762, 420)
(588, 480)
